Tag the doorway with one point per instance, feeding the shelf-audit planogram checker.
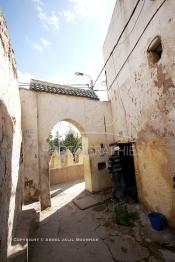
(66, 159)
(127, 163)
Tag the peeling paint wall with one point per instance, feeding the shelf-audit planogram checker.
(40, 112)
(10, 143)
(143, 95)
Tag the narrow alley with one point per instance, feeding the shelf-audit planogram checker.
(87, 131)
(67, 233)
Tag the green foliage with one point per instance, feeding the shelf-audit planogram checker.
(54, 143)
(71, 142)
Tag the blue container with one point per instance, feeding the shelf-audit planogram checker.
(157, 220)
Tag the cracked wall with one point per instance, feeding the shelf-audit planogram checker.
(143, 96)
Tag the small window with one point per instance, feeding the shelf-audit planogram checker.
(101, 165)
(154, 51)
(102, 146)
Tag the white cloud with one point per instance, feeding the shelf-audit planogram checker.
(25, 77)
(38, 47)
(53, 20)
(48, 21)
(41, 14)
(84, 9)
(69, 15)
(38, 2)
(45, 42)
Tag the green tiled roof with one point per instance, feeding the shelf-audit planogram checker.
(42, 86)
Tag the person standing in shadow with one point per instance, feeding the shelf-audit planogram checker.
(115, 170)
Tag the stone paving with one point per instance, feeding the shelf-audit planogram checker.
(91, 234)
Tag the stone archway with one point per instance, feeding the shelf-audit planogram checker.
(44, 105)
(44, 160)
(84, 153)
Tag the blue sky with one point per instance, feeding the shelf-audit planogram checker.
(53, 39)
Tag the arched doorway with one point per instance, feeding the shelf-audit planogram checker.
(90, 116)
(44, 159)
(66, 163)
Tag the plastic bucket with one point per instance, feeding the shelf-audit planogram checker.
(157, 220)
(121, 214)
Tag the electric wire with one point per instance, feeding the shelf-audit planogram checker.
(131, 31)
(126, 36)
(135, 45)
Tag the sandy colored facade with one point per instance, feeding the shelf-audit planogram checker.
(10, 143)
(142, 95)
(63, 168)
(40, 112)
(66, 174)
(140, 110)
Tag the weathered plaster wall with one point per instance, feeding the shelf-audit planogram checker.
(30, 146)
(66, 174)
(102, 178)
(93, 118)
(10, 143)
(143, 96)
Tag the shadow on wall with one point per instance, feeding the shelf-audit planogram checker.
(6, 149)
(19, 199)
(6, 143)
